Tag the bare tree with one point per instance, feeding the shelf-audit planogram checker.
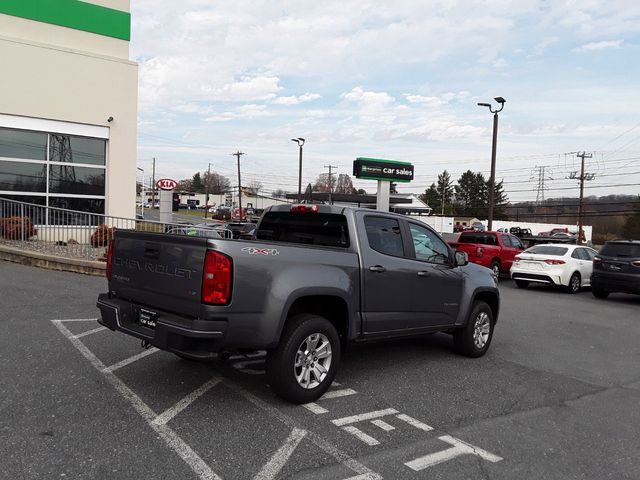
(216, 183)
(255, 186)
(344, 184)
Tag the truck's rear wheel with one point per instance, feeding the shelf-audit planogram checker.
(305, 362)
(474, 338)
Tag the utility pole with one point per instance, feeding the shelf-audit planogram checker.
(206, 191)
(330, 167)
(239, 154)
(584, 177)
(153, 185)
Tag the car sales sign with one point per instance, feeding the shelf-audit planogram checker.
(166, 184)
(386, 170)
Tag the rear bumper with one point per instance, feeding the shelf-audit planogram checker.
(536, 276)
(190, 337)
(616, 283)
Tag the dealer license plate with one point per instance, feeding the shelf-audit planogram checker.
(147, 318)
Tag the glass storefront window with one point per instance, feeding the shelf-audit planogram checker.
(23, 144)
(72, 149)
(88, 205)
(23, 177)
(76, 180)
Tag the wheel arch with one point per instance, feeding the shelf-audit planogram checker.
(492, 299)
(330, 306)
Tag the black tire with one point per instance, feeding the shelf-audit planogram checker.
(463, 338)
(521, 283)
(599, 293)
(281, 370)
(495, 267)
(574, 283)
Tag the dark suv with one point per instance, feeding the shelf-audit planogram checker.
(616, 268)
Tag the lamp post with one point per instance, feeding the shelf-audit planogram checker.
(492, 178)
(142, 193)
(300, 142)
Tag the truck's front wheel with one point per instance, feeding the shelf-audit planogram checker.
(305, 362)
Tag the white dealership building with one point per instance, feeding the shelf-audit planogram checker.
(69, 105)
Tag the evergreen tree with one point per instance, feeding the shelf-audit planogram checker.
(431, 198)
(445, 193)
(196, 183)
(500, 201)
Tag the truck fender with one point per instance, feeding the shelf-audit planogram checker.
(486, 294)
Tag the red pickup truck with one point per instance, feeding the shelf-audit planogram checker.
(494, 250)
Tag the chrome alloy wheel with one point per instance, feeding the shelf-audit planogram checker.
(481, 330)
(575, 283)
(313, 360)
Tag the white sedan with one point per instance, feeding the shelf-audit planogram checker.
(569, 266)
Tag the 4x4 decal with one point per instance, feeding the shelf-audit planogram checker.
(260, 251)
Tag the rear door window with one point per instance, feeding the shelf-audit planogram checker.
(384, 235)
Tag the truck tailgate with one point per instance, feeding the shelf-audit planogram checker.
(161, 270)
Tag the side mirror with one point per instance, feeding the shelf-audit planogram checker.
(461, 259)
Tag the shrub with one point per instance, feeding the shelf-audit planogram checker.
(102, 236)
(17, 228)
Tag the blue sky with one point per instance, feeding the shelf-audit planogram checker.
(396, 80)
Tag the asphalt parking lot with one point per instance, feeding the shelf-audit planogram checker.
(556, 397)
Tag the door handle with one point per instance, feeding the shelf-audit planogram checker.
(423, 273)
(377, 269)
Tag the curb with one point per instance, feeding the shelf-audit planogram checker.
(52, 262)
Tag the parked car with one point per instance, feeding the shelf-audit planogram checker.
(478, 226)
(493, 250)
(520, 232)
(616, 268)
(554, 230)
(317, 278)
(563, 235)
(243, 230)
(564, 265)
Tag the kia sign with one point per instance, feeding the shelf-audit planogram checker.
(378, 169)
(166, 184)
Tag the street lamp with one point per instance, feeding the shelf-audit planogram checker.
(300, 142)
(142, 193)
(492, 178)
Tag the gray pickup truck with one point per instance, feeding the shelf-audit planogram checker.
(314, 280)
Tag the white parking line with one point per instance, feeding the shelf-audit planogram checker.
(414, 423)
(338, 393)
(360, 435)
(323, 444)
(76, 320)
(171, 438)
(459, 448)
(89, 332)
(168, 414)
(383, 425)
(363, 416)
(279, 459)
(129, 360)
(315, 408)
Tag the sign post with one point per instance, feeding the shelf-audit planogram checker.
(385, 172)
(166, 186)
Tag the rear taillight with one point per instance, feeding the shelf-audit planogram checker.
(553, 261)
(479, 252)
(216, 278)
(110, 258)
(304, 208)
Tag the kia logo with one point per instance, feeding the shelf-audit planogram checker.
(166, 184)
